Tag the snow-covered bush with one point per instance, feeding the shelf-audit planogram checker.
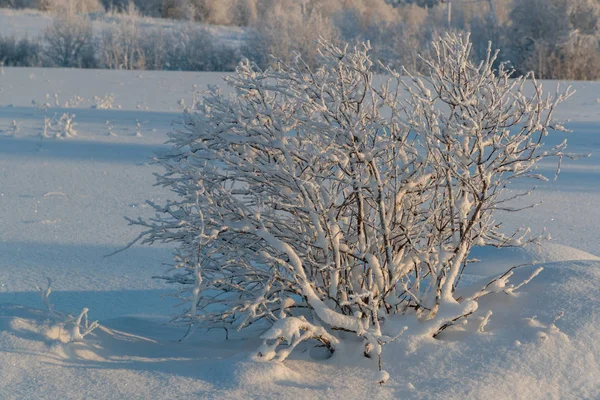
(13, 128)
(193, 48)
(68, 42)
(214, 12)
(103, 102)
(121, 43)
(59, 127)
(188, 48)
(65, 126)
(322, 202)
(19, 52)
(287, 28)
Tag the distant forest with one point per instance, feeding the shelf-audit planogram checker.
(557, 39)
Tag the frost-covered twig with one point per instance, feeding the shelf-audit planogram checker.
(484, 321)
(14, 128)
(77, 334)
(45, 295)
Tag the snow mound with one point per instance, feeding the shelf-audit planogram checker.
(498, 260)
(540, 343)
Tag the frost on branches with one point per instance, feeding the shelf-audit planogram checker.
(321, 202)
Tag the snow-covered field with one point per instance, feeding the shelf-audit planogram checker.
(62, 202)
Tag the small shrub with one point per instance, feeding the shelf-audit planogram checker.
(194, 49)
(286, 29)
(19, 52)
(68, 42)
(104, 102)
(320, 202)
(70, 329)
(59, 127)
(121, 46)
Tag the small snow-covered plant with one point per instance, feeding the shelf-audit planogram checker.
(74, 102)
(110, 129)
(45, 296)
(78, 327)
(14, 128)
(321, 202)
(42, 107)
(65, 127)
(59, 127)
(103, 102)
(138, 128)
(48, 125)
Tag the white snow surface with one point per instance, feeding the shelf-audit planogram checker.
(62, 203)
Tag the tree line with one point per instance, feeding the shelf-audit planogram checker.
(557, 39)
